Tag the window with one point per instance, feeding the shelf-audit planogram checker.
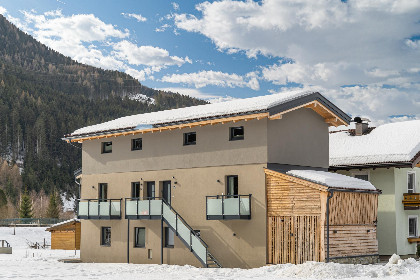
(150, 191)
(136, 144)
(411, 182)
(106, 236)
(103, 191)
(135, 189)
(232, 185)
(236, 133)
(190, 138)
(106, 147)
(169, 238)
(139, 237)
(412, 226)
(363, 175)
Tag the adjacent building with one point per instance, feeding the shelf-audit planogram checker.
(235, 184)
(387, 156)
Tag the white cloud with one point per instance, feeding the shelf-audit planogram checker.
(3, 10)
(138, 17)
(139, 75)
(162, 28)
(213, 78)
(175, 6)
(146, 55)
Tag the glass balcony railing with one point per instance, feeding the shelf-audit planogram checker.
(99, 209)
(228, 207)
(146, 208)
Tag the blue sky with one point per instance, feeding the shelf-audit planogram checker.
(363, 55)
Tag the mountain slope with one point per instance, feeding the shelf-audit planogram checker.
(44, 95)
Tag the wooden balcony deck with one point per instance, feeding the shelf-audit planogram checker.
(411, 201)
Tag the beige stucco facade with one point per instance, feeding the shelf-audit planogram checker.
(196, 171)
(392, 218)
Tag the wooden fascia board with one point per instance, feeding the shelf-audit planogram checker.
(296, 180)
(258, 116)
(316, 106)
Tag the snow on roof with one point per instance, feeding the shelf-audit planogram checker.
(236, 106)
(332, 180)
(63, 223)
(393, 142)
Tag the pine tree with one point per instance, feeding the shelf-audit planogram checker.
(25, 210)
(53, 210)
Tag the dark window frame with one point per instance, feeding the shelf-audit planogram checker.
(134, 147)
(415, 233)
(232, 136)
(235, 190)
(136, 243)
(106, 242)
(100, 191)
(186, 140)
(134, 186)
(104, 145)
(153, 194)
(166, 238)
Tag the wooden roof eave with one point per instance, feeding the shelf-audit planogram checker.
(234, 119)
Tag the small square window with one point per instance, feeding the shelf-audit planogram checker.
(137, 144)
(106, 236)
(106, 147)
(190, 138)
(412, 226)
(236, 133)
(139, 237)
(169, 238)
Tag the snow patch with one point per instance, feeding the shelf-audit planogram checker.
(141, 98)
(393, 142)
(68, 203)
(236, 106)
(332, 179)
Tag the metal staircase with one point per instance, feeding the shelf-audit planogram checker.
(188, 236)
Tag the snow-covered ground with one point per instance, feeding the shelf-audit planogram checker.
(27, 263)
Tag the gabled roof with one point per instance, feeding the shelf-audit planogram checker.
(271, 106)
(393, 144)
(63, 224)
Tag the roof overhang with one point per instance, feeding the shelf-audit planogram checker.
(332, 115)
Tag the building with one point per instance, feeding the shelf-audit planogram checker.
(188, 186)
(387, 156)
(65, 235)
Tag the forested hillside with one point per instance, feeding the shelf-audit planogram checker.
(44, 95)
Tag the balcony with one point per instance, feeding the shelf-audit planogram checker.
(411, 201)
(147, 208)
(96, 209)
(228, 207)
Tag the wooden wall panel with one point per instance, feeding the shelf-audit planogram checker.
(353, 240)
(353, 208)
(294, 239)
(64, 240)
(285, 198)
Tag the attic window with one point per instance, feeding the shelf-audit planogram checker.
(236, 133)
(106, 147)
(190, 138)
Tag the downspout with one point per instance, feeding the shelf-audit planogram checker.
(128, 241)
(328, 224)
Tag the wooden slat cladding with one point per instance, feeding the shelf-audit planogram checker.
(64, 240)
(353, 208)
(285, 198)
(354, 240)
(293, 239)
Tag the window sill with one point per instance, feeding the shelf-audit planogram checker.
(105, 245)
(413, 239)
(169, 247)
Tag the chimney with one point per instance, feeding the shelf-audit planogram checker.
(361, 125)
